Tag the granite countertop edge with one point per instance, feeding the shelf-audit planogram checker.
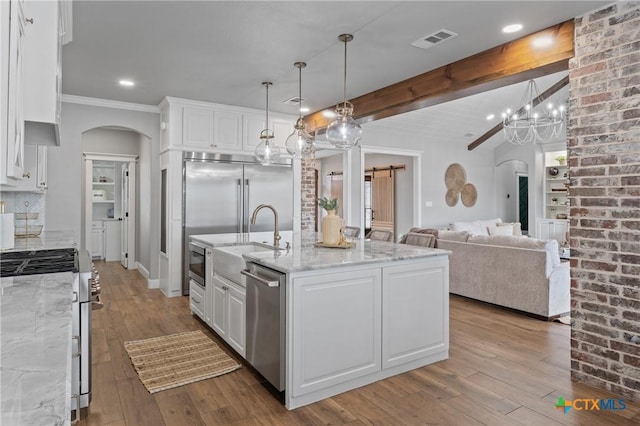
(36, 329)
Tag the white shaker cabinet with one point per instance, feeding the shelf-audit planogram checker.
(228, 312)
(35, 171)
(11, 94)
(413, 294)
(42, 62)
(348, 301)
(97, 239)
(227, 129)
(112, 237)
(197, 299)
(197, 127)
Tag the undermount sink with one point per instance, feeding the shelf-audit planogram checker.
(228, 260)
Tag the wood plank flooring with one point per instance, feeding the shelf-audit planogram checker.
(504, 369)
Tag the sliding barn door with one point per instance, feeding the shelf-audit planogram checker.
(383, 202)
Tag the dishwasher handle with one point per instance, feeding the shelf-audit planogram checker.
(268, 283)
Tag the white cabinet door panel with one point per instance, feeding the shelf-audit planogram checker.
(227, 130)
(236, 310)
(414, 296)
(219, 307)
(335, 313)
(196, 299)
(197, 130)
(252, 126)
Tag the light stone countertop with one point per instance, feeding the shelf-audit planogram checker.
(47, 240)
(35, 339)
(304, 256)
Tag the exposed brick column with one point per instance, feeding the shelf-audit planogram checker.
(309, 195)
(604, 162)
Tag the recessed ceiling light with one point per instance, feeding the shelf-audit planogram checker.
(491, 116)
(544, 41)
(512, 28)
(304, 109)
(328, 113)
(127, 83)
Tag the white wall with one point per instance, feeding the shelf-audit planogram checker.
(438, 155)
(403, 187)
(110, 141)
(64, 195)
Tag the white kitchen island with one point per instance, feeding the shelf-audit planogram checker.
(355, 316)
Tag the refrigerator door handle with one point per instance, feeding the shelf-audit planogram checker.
(240, 207)
(246, 205)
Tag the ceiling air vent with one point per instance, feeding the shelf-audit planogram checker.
(293, 101)
(432, 39)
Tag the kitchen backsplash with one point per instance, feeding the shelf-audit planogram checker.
(15, 203)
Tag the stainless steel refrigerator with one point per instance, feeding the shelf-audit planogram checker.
(221, 191)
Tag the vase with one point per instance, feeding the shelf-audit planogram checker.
(331, 225)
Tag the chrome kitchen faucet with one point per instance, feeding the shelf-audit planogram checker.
(276, 234)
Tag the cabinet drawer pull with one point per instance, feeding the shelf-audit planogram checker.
(29, 20)
(27, 175)
(77, 417)
(76, 354)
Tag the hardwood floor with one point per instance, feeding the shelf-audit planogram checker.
(504, 369)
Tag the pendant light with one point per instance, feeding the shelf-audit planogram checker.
(300, 143)
(344, 132)
(267, 150)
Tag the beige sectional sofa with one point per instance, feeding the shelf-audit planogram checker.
(516, 272)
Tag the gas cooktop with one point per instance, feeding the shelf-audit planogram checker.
(31, 262)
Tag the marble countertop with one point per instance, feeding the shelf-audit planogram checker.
(47, 240)
(35, 336)
(304, 256)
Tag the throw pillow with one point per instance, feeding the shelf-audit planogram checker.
(461, 236)
(502, 229)
(475, 227)
(517, 230)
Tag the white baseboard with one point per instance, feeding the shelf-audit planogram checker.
(151, 283)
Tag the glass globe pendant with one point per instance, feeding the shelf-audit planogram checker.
(267, 150)
(300, 143)
(344, 132)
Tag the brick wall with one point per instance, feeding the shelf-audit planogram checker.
(309, 195)
(604, 161)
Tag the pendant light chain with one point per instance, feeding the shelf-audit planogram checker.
(266, 126)
(344, 103)
(300, 90)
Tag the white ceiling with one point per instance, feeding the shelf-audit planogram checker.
(220, 51)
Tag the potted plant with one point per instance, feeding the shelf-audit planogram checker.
(331, 223)
(561, 159)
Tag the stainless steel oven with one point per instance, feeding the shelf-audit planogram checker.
(197, 264)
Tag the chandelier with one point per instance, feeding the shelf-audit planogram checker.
(533, 122)
(267, 150)
(300, 143)
(344, 132)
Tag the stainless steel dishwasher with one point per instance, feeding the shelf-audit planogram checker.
(265, 322)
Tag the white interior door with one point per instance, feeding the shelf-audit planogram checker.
(124, 229)
(128, 203)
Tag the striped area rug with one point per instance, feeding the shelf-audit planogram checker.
(178, 359)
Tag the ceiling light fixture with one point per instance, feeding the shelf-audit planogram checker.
(344, 132)
(267, 150)
(300, 143)
(512, 28)
(127, 83)
(532, 122)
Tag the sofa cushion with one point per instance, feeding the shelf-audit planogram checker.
(461, 236)
(503, 229)
(549, 246)
(476, 227)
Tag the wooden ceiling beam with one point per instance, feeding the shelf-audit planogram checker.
(509, 63)
(495, 129)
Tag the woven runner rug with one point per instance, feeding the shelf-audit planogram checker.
(178, 359)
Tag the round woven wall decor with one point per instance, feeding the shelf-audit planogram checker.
(452, 197)
(469, 195)
(455, 176)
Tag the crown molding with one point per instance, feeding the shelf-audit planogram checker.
(106, 103)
